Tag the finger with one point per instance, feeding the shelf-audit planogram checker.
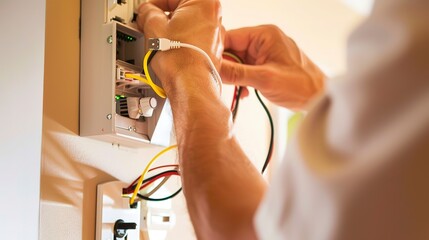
(222, 31)
(150, 15)
(245, 75)
(166, 5)
(239, 40)
(245, 43)
(172, 5)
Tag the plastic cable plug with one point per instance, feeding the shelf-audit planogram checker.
(162, 44)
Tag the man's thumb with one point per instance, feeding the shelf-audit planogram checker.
(233, 73)
(243, 75)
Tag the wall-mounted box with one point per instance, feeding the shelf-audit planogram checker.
(110, 47)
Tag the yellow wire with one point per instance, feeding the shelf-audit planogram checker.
(157, 89)
(134, 76)
(146, 170)
(148, 80)
(233, 56)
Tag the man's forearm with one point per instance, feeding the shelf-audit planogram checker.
(221, 186)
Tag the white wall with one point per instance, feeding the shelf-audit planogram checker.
(22, 41)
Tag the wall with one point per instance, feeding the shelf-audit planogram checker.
(22, 41)
(73, 166)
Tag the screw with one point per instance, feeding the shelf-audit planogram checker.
(109, 116)
(110, 39)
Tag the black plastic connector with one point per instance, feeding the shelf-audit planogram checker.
(120, 228)
(120, 2)
(118, 19)
(134, 19)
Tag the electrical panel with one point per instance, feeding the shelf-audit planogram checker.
(115, 108)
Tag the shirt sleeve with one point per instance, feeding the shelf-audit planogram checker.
(358, 167)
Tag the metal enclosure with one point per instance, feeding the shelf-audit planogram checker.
(111, 45)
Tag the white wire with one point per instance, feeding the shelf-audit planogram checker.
(212, 66)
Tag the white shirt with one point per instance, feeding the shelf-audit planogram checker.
(358, 167)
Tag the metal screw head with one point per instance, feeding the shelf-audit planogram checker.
(110, 39)
(109, 116)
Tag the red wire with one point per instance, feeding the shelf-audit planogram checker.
(160, 176)
(128, 190)
(234, 98)
(163, 166)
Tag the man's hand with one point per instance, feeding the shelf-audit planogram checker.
(189, 21)
(275, 66)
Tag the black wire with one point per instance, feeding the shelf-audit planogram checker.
(234, 113)
(159, 199)
(149, 179)
(270, 149)
(237, 101)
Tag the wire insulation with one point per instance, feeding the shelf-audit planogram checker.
(152, 169)
(146, 170)
(148, 80)
(158, 186)
(237, 89)
(270, 149)
(131, 188)
(215, 73)
(164, 44)
(166, 175)
(233, 57)
(159, 199)
(234, 98)
(235, 104)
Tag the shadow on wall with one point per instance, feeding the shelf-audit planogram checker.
(73, 166)
(67, 185)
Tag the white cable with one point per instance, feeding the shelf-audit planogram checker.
(163, 44)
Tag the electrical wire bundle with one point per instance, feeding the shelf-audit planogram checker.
(165, 176)
(235, 103)
(142, 183)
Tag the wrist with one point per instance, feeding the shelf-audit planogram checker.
(183, 70)
(169, 64)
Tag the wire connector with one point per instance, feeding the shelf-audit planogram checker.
(162, 44)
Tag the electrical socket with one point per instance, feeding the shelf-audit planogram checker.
(112, 207)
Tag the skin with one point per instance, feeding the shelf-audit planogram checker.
(222, 187)
(274, 65)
